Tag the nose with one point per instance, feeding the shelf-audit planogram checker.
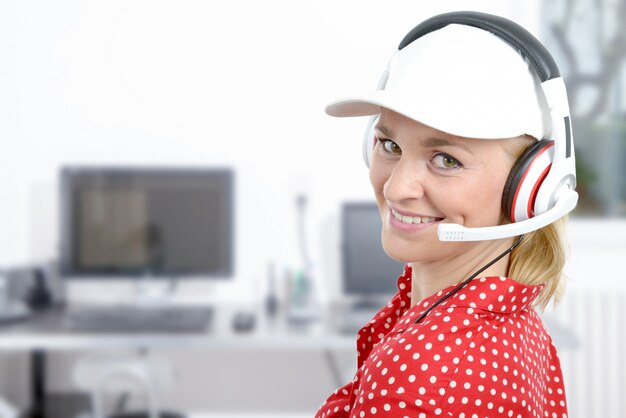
(407, 181)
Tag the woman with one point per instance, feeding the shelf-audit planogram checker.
(463, 115)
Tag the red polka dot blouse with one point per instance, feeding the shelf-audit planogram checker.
(483, 352)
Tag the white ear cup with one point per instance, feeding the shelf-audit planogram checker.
(369, 140)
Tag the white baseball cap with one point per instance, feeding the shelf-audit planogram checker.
(461, 80)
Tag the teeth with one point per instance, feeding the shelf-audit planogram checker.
(412, 219)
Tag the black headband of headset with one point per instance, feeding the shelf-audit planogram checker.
(515, 35)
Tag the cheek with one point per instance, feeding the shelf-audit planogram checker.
(378, 176)
(481, 201)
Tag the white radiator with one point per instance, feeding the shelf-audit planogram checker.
(589, 330)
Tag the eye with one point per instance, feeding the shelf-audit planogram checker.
(446, 162)
(390, 146)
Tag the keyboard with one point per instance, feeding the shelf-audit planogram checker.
(133, 319)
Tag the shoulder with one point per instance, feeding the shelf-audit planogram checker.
(505, 368)
(417, 362)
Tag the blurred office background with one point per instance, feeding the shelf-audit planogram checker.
(241, 86)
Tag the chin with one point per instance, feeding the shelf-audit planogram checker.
(405, 252)
(408, 248)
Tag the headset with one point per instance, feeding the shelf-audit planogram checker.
(541, 185)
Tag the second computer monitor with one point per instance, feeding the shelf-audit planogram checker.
(368, 272)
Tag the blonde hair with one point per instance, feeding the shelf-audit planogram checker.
(540, 257)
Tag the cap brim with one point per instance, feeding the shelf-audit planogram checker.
(461, 80)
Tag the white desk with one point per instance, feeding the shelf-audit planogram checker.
(274, 415)
(49, 331)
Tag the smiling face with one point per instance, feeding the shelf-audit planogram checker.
(422, 177)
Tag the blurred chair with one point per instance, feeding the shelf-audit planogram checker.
(99, 374)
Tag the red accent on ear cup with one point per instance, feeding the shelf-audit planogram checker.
(369, 140)
(511, 195)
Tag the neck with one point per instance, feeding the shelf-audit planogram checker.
(429, 277)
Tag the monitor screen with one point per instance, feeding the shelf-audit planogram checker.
(367, 269)
(119, 222)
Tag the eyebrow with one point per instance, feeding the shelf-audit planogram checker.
(434, 142)
(431, 141)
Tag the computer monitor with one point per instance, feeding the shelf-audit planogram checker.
(121, 222)
(368, 272)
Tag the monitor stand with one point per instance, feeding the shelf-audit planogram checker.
(367, 303)
(153, 292)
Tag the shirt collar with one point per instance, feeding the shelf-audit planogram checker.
(495, 294)
(492, 295)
